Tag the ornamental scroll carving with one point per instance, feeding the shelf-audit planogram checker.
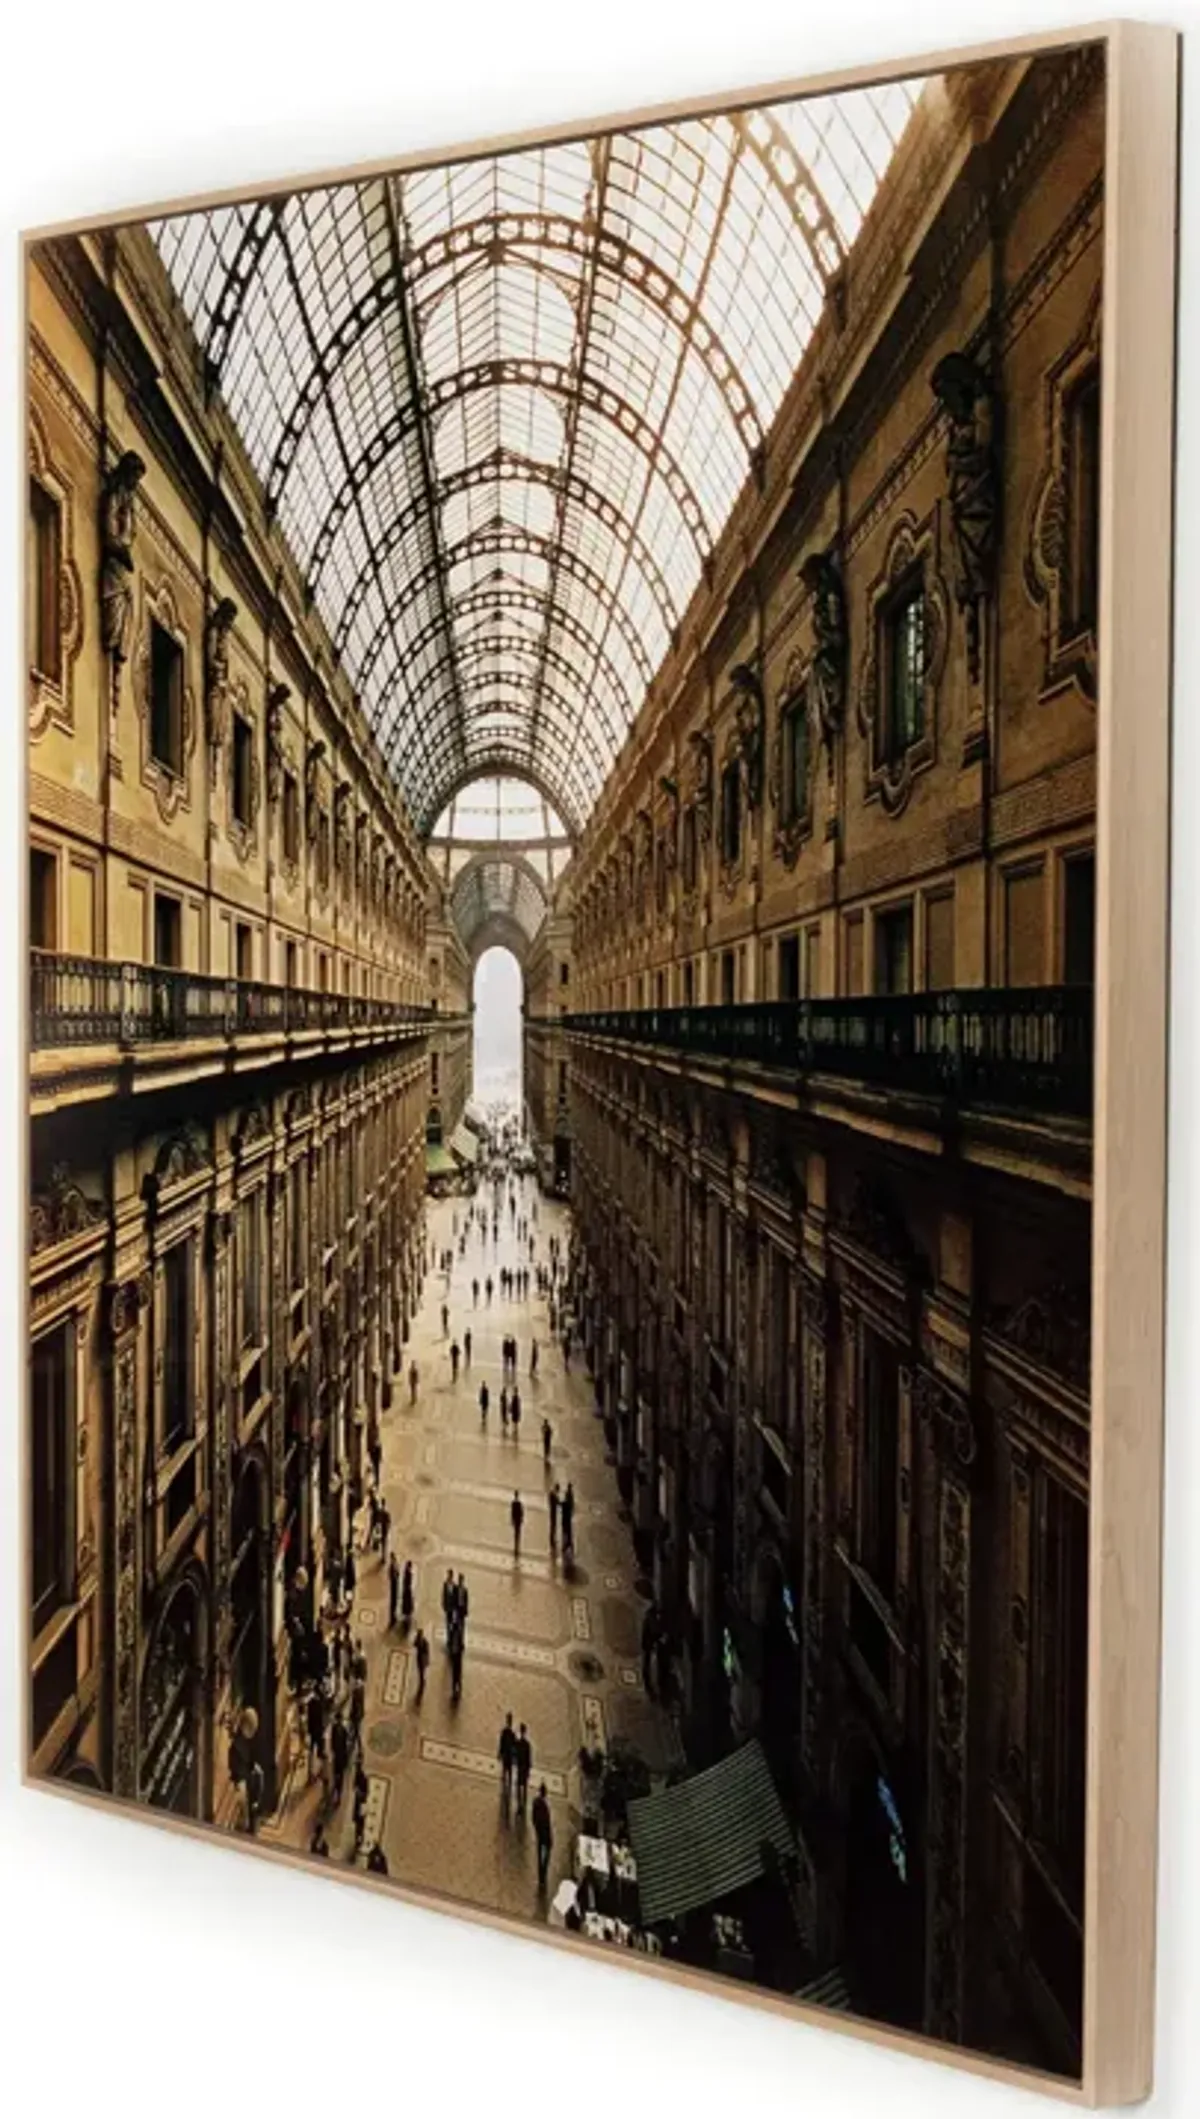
(973, 486)
(61, 1212)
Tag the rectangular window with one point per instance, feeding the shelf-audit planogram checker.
(689, 985)
(1083, 474)
(168, 932)
(1025, 927)
(243, 950)
(291, 964)
(904, 673)
(939, 943)
(45, 571)
(241, 767)
(731, 813)
(52, 1461)
(1079, 920)
(250, 1270)
(795, 761)
(812, 963)
(291, 818)
(166, 700)
(177, 1330)
(789, 968)
(894, 950)
(728, 978)
(43, 899)
(660, 990)
(879, 1461)
(564, 973)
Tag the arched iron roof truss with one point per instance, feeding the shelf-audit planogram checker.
(502, 409)
(493, 891)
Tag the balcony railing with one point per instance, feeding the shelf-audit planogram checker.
(1027, 1048)
(88, 1001)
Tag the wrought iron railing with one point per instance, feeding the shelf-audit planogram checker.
(1027, 1048)
(88, 1000)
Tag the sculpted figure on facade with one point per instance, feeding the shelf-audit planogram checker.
(118, 518)
(341, 827)
(973, 482)
(312, 787)
(751, 727)
(277, 698)
(217, 689)
(827, 672)
(700, 745)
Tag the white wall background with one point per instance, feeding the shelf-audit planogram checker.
(145, 1973)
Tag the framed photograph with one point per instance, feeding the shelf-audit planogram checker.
(597, 810)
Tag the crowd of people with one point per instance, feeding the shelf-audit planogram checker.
(327, 1660)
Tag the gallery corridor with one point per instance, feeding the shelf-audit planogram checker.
(559, 1650)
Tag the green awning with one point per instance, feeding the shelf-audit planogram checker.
(699, 1842)
(464, 1144)
(439, 1163)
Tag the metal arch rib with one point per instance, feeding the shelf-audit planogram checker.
(578, 490)
(266, 217)
(557, 381)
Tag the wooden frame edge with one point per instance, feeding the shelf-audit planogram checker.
(1130, 1170)
(1129, 1231)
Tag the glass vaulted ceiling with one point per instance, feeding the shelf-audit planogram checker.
(502, 408)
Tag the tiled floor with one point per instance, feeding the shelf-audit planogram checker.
(561, 1654)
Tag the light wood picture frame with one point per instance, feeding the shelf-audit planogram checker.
(785, 499)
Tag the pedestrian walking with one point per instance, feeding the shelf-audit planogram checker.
(339, 1748)
(507, 1755)
(358, 1708)
(543, 1833)
(547, 1439)
(517, 1515)
(533, 1358)
(406, 1596)
(475, 1294)
(375, 1453)
(555, 1501)
(455, 1358)
(448, 1600)
(487, 1288)
(568, 1521)
(350, 1575)
(467, 1348)
(413, 1379)
(456, 1665)
(484, 1402)
(393, 1589)
(333, 1576)
(421, 1653)
(385, 1528)
(524, 1762)
(445, 1320)
(514, 1411)
(504, 1408)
